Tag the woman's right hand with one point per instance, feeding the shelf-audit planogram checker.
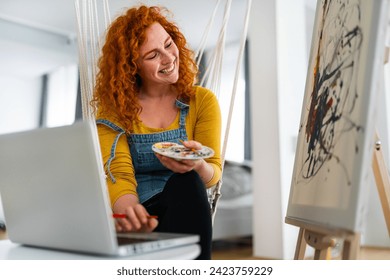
(136, 219)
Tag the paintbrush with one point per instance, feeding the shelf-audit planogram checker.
(192, 149)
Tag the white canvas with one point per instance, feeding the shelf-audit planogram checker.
(336, 131)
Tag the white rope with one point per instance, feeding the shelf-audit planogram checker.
(81, 9)
(89, 48)
(82, 60)
(95, 42)
(107, 14)
(215, 194)
(236, 78)
(212, 76)
(199, 53)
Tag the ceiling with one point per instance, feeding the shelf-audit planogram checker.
(39, 35)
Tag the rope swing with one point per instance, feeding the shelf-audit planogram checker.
(91, 15)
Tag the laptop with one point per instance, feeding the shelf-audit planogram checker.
(54, 195)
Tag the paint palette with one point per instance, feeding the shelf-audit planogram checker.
(176, 151)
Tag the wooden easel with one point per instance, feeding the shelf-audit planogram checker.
(323, 239)
(382, 181)
(381, 173)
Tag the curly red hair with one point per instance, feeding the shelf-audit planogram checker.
(117, 82)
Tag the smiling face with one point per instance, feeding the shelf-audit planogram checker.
(159, 58)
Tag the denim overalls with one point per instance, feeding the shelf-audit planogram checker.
(150, 174)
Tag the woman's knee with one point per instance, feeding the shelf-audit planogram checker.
(186, 184)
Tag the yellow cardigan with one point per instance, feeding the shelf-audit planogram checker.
(203, 124)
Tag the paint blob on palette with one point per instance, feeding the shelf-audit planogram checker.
(176, 151)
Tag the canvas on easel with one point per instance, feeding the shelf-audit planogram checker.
(336, 132)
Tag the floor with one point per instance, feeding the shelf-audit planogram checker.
(2, 234)
(241, 249)
(233, 249)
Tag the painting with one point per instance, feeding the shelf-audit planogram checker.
(336, 130)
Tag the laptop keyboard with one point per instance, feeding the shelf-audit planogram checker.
(132, 240)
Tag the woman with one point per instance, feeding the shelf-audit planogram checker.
(145, 94)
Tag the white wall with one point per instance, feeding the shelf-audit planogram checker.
(278, 49)
(267, 208)
(19, 103)
(27, 51)
(292, 55)
(26, 54)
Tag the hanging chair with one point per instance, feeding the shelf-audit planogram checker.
(89, 16)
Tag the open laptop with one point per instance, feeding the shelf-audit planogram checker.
(54, 195)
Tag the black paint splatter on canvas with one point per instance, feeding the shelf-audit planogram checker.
(333, 96)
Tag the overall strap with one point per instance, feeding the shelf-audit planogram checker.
(120, 131)
(183, 112)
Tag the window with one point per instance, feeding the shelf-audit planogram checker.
(239, 145)
(61, 96)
